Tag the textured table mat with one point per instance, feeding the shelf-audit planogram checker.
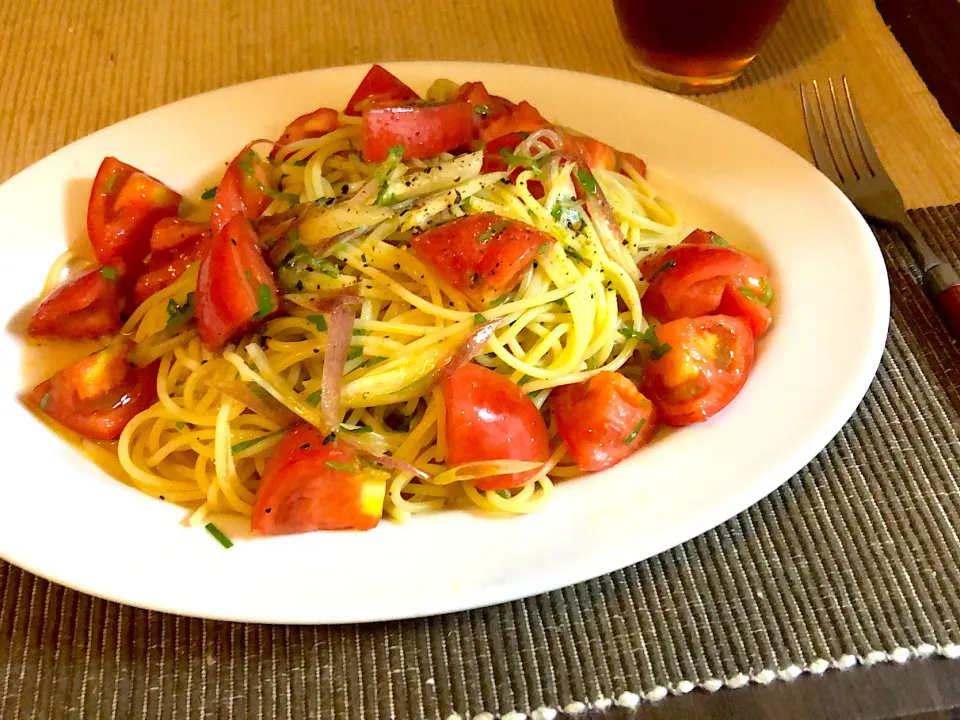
(852, 561)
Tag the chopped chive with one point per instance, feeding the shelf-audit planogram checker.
(359, 430)
(717, 240)
(219, 536)
(481, 110)
(374, 361)
(291, 198)
(44, 401)
(591, 364)
(479, 318)
(574, 255)
(767, 297)
(491, 231)
(588, 181)
(354, 353)
(524, 379)
(636, 431)
(264, 302)
(512, 158)
(300, 163)
(247, 444)
(359, 332)
(180, 425)
(111, 182)
(499, 301)
(319, 322)
(557, 212)
(179, 314)
(666, 266)
(543, 248)
(209, 194)
(631, 333)
(505, 494)
(109, 272)
(748, 293)
(314, 398)
(658, 349)
(342, 467)
(396, 153)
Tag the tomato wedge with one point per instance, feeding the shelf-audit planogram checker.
(310, 484)
(422, 131)
(235, 288)
(490, 418)
(486, 107)
(480, 255)
(379, 86)
(99, 395)
(603, 420)
(244, 189)
(124, 205)
(165, 266)
(174, 231)
(689, 279)
(312, 125)
(523, 118)
(701, 365)
(742, 301)
(88, 306)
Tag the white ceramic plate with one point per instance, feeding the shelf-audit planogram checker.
(67, 521)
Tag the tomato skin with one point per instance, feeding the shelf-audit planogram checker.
(242, 189)
(88, 306)
(300, 492)
(705, 368)
(482, 269)
(734, 302)
(174, 231)
(165, 266)
(311, 125)
(226, 300)
(124, 205)
(379, 86)
(523, 118)
(689, 279)
(100, 394)
(594, 153)
(491, 107)
(490, 418)
(493, 161)
(423, 131)
(597, 417)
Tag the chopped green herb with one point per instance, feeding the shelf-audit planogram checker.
(246, 162)
(44, 401)
(314, 398)
(291, 198)
(319, 322)
(479, 318)
(481, 110)
(109, 272)
(557, 212)
(354, 353)
(748, 293)
(657, 348)
(342, 467)
(179, 314)
(717, 240)
(264, 302)
(111, 182)
(491, 231)
(209, 194)
(301, 163)
(180, 425)
(591, 364)
(499, 301)
(359, 332)
(505, 494)
(666, 266)
(512, 158)
(631, 333)
(588, 181)
(248, 275)
(219, 536)
(636, 431)
(543, 248)
(574, 255)
(767, 296)
(396, 153)
(246, 444)
(359, 430)
(524, 380)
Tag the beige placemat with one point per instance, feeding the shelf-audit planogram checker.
(69, 68)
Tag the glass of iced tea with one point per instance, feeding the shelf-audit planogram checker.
(695, 45)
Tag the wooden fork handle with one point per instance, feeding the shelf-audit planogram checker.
(944, 287)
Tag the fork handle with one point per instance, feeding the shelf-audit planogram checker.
(943, 285)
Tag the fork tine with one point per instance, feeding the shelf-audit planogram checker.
(822, 157)
(863, 140)
(847, 137)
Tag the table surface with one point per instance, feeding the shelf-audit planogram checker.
(912, 132)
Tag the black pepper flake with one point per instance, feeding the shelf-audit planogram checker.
(299, 285)
(161, 497)
(268, 510)
(363, 257)
(305, 446)
(124, 317)
(345, 189)
(457, 198)
(232, 241)
(329, 438)
(316, 351)
(329, 201)
(396, 266)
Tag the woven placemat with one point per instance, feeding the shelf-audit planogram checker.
(853, 561)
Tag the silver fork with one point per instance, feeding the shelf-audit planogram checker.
(843, 152)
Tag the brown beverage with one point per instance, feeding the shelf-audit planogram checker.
(689, 45)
